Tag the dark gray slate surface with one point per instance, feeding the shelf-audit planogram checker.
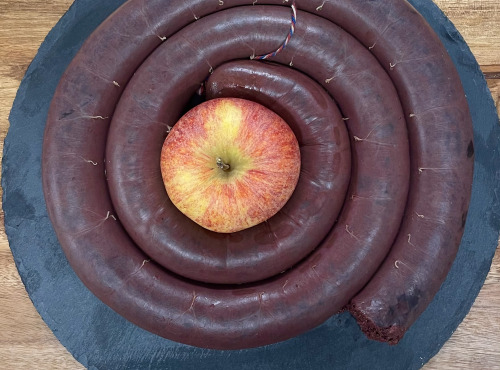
(101, 339)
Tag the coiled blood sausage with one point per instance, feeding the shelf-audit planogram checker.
(107, 260)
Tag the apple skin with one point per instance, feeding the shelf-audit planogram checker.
(258, 146)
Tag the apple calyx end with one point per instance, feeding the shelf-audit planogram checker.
(223, 166)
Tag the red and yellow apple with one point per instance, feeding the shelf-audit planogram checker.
(229, 164)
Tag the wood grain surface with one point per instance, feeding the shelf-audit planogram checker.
(27, 343)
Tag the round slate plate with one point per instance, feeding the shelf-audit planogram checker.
(101, 339)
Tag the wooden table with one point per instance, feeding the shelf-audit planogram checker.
(27, 343)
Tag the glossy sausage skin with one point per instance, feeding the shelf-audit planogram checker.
(442, 158)
(256, 314)
(178, 244)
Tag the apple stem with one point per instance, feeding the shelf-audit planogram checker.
(223, 166)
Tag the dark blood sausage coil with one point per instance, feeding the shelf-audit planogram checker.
(134, 144)
(110, 264)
